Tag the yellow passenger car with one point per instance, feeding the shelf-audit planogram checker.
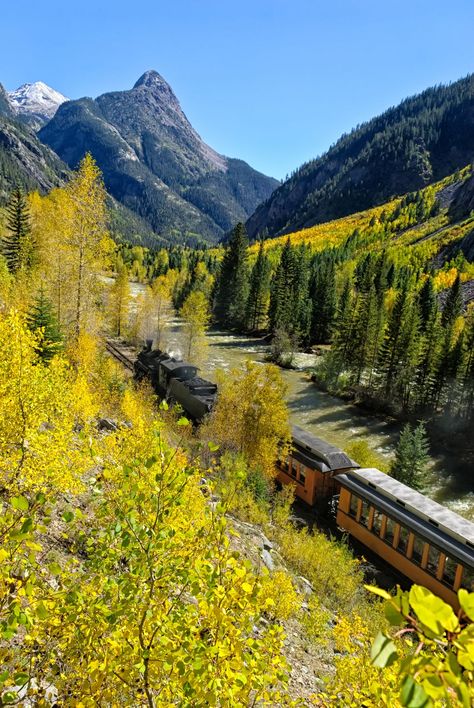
(428, 543)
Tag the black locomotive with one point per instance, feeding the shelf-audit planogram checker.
(176, 381)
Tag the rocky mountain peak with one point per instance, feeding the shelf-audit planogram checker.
(153, 82)
(155, 162)
(36, 103)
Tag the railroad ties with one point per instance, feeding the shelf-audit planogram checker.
(121, 353)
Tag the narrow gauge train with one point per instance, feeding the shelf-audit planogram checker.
(428, 543)
(176, 380)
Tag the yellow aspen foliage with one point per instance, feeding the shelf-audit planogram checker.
(117, 582)
(357, 682)
(165, 612)
(195, 312)
(334, 573)
(280, 595)
(254, 400)
(69, 227)
(38, 413)
(162, 293)
(119, 303)
(6, 281)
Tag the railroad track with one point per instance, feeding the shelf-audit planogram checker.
(118, 354)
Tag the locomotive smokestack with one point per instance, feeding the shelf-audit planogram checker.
(148, 345)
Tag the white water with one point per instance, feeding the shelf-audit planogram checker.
(450, 480)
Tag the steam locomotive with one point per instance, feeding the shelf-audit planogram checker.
(177, 381)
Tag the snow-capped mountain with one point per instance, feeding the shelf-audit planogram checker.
(36, 103)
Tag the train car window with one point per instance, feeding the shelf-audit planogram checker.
(377, 522)
(389, 531)
(417, 552)
(468, 578)
(433, 560)
(364, 514)
(449, 573)
(353, 505)
(403, 540)
(302, 476)
(294, 468)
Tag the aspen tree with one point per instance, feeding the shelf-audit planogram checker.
(195, 313)
(120, 302)
(86, 237)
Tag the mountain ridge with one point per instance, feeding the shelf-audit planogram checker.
(155, 162)
(423, 139)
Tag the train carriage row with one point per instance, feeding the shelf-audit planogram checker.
(429, 544)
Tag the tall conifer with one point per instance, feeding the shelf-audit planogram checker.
(411, 456)
(41, 319)
(16, 244)
(282, 293)
(257, 302)
(232, 290)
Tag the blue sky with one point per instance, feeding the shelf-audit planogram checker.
(274, 82)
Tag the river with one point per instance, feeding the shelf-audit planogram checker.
(450, 480)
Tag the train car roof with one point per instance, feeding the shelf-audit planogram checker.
(173, 365)
(401, 498)
(333, 457)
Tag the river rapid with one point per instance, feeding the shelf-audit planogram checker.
(450, 480)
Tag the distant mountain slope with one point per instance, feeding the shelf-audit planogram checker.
(24, 160)
(434, 225)
(422, 140)
(35, 103)
(155, 163)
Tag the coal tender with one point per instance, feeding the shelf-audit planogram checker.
(176, 381)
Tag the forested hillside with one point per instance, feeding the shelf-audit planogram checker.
(386, 294)
(424, 139)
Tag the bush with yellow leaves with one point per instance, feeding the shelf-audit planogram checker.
(278, 589)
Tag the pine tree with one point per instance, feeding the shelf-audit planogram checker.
(42, 320)
(467, 409)
(16, 245)
(411, 456)
(302, 304)
(282, 293)
(324, 302)
(428, 302)
(232, 289)
(430, 351)
(342, 330)
(453, 306)
(257, 302)
(450, 358)
(400, 350)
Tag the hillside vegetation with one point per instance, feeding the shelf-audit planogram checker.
(420, 141)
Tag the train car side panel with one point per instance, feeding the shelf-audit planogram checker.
(304, 479)
(419, 560)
